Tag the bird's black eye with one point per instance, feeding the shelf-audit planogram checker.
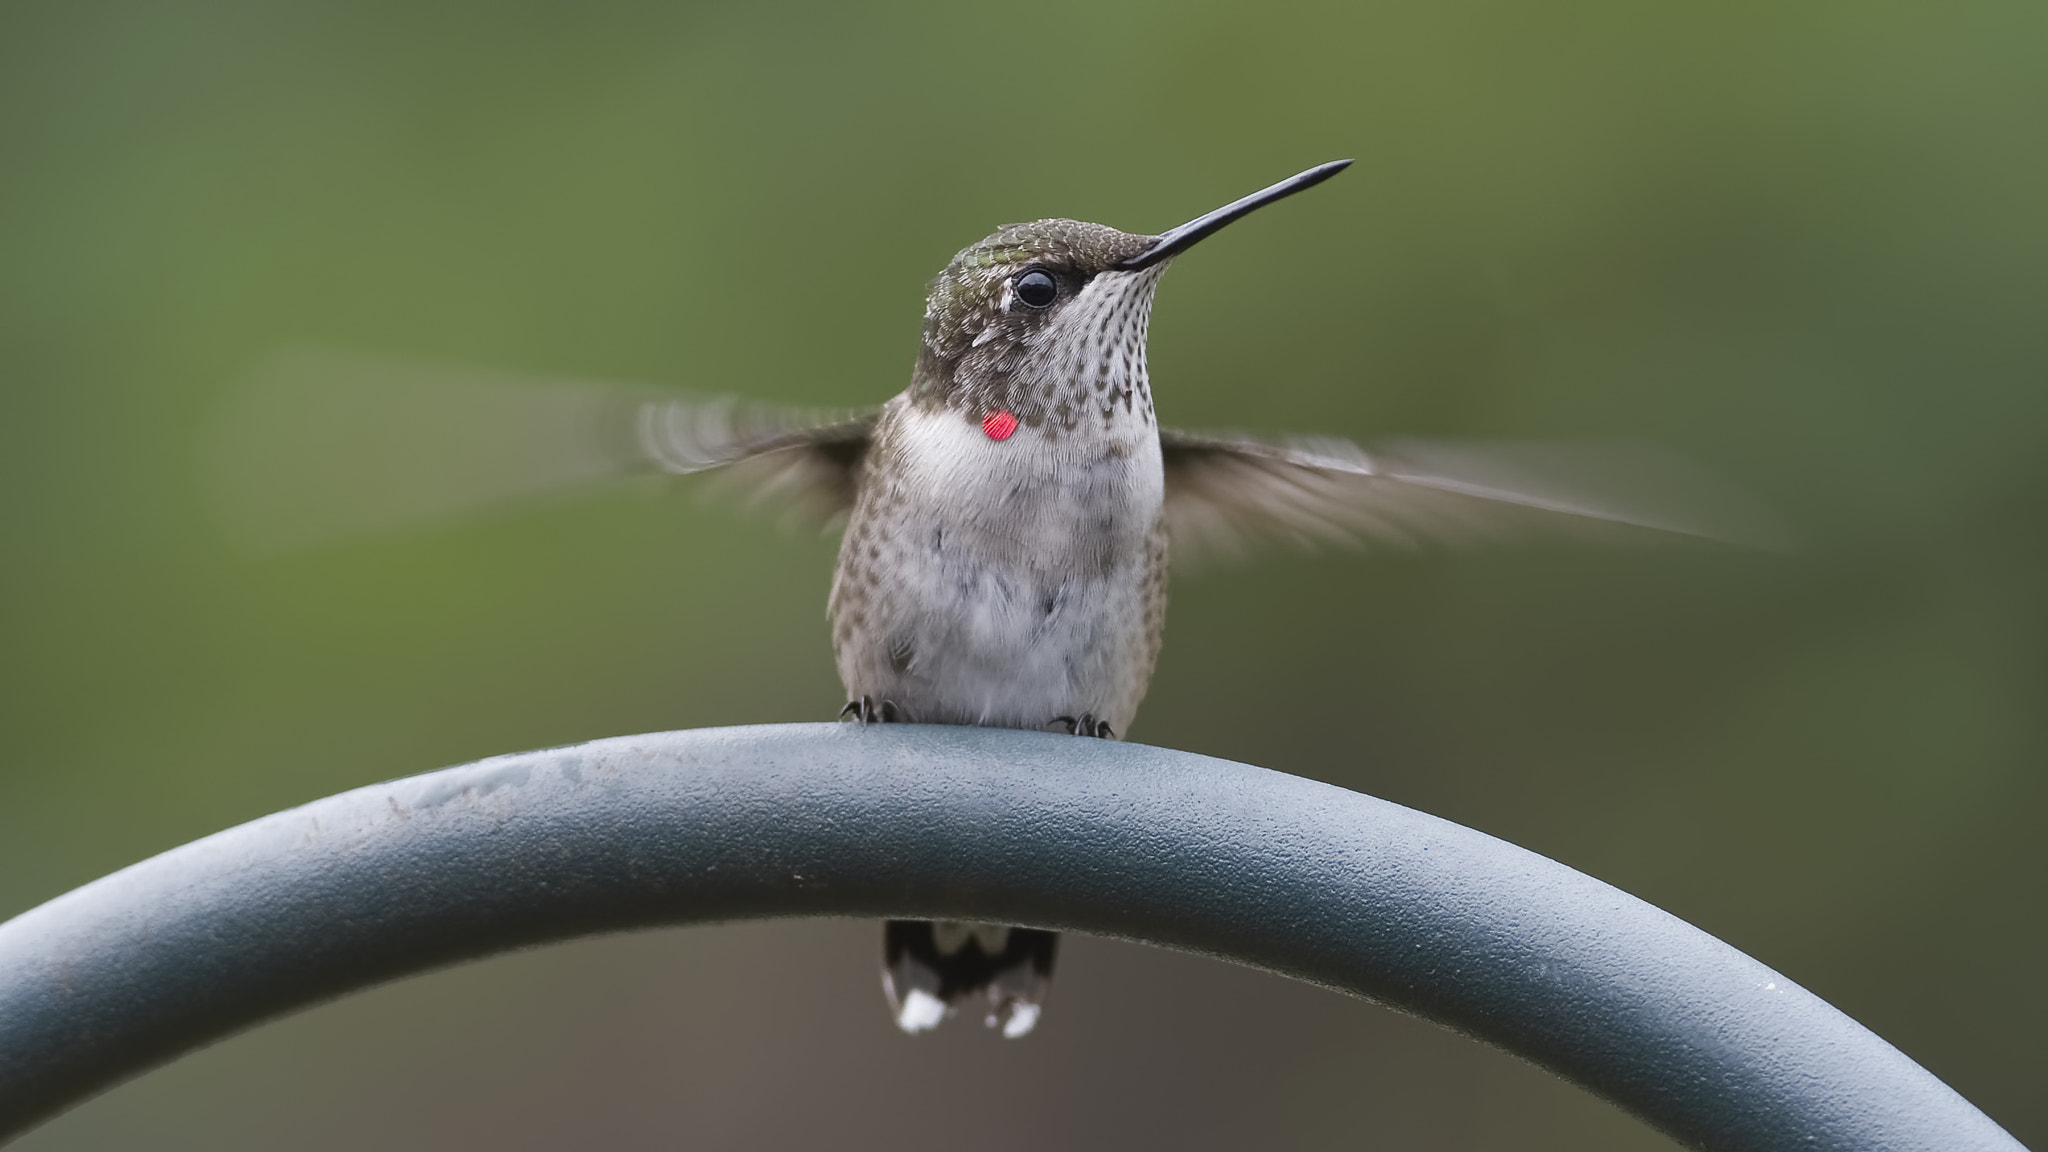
(1037, 288)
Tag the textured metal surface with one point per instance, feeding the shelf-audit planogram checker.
(1124, 840)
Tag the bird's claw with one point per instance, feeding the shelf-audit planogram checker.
(866, 712)
(1086, 724)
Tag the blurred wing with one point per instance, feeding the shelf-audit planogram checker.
(325, 445)
(1225, 492)
(807, 461)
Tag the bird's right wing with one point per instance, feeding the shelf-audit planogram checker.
(807, 461)
(325, 445)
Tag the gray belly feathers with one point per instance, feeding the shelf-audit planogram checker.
(1002, 584)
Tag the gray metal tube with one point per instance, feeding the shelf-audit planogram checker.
(1125, 840)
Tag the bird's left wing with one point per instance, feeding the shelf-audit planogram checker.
(1225, 492)
(323, 445)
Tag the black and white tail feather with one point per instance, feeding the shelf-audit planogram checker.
(931, 968)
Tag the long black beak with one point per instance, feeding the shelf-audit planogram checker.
(1177, 240)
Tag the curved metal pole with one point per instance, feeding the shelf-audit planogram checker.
(1125, 840)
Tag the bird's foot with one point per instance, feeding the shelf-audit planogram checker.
(1085, 725)
(865, 710)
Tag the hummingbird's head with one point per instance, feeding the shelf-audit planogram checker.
(1036, 319)
(1047, 320)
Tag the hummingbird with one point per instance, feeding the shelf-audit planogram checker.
(1010, 515)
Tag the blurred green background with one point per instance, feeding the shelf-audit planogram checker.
(1801, 243)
